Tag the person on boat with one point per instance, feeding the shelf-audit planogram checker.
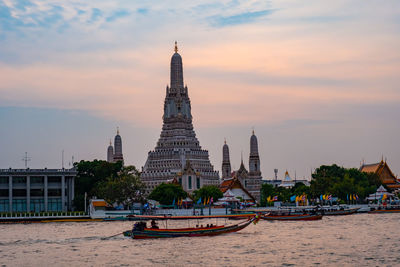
(139, 226)
(154, 224)
(211, 225)
(208, 226)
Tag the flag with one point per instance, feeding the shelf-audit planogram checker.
(269, 198)
(275, 198)
(321, 197)
(173, 202)
(347, 196)
(199, 201)
(356, 197)
(205, 201)
(297, 198)
(293, 198)
(212, 200)
(208, 200)
(384, 197)
(330, 197)
(304, 198)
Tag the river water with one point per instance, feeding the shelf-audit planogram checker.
(354, 240)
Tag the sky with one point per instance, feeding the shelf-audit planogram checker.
(318, 81)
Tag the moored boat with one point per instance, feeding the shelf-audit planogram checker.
(338, 211)
(385, 209)
(141, 232)
(291, 217)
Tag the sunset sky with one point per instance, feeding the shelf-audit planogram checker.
(318, 80)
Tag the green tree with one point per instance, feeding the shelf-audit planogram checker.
(90, 174)
(342, 182)
(208, 191)
(266, 191)
(166, 193)
(126, 188)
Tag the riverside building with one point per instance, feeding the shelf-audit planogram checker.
(36, 190)
(178, 154)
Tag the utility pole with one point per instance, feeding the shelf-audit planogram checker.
(62, 159)
(26, 159)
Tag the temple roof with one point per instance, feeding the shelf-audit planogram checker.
(234, 182)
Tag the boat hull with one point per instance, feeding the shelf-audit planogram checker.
(294, 217)
(188, 232)
(385, 211)
(340, 212)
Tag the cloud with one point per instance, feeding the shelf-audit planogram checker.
(117, 15)
(242, 18)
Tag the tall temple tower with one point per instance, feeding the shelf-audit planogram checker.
(118, 148)
(226, 162)
(178, 146)
(254, 181)
(110, 153)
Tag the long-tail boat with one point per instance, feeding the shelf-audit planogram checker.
(385, 209)
(339, 211)
(290, 217)
(141, 232)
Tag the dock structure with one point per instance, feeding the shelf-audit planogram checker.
(36, 190)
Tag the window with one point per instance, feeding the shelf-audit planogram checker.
(54, 192)
(19, 192)
(37, 192)
(19, 205)
(3, 180)
(3, 192)
(37, 205)
(4, 205)
(190, 182)
(37, 180)
(180, 181)
(54, 179)
(54, 204)
(198, 182)
(245, 183)
(19, 180)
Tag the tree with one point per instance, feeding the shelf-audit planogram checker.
(90, 174)
(207, 192)
(342, 182)
(266, 191)
(167, 193)
(126, 188)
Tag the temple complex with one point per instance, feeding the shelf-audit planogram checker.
(178, 154)
(251, 180)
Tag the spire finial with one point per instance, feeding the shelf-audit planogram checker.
(117, 130)
(241, 157)
(225, 140)
(110, 142)
(176, 47)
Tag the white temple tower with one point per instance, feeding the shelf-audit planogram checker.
(178, 146)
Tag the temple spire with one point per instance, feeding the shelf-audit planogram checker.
(176, 70)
